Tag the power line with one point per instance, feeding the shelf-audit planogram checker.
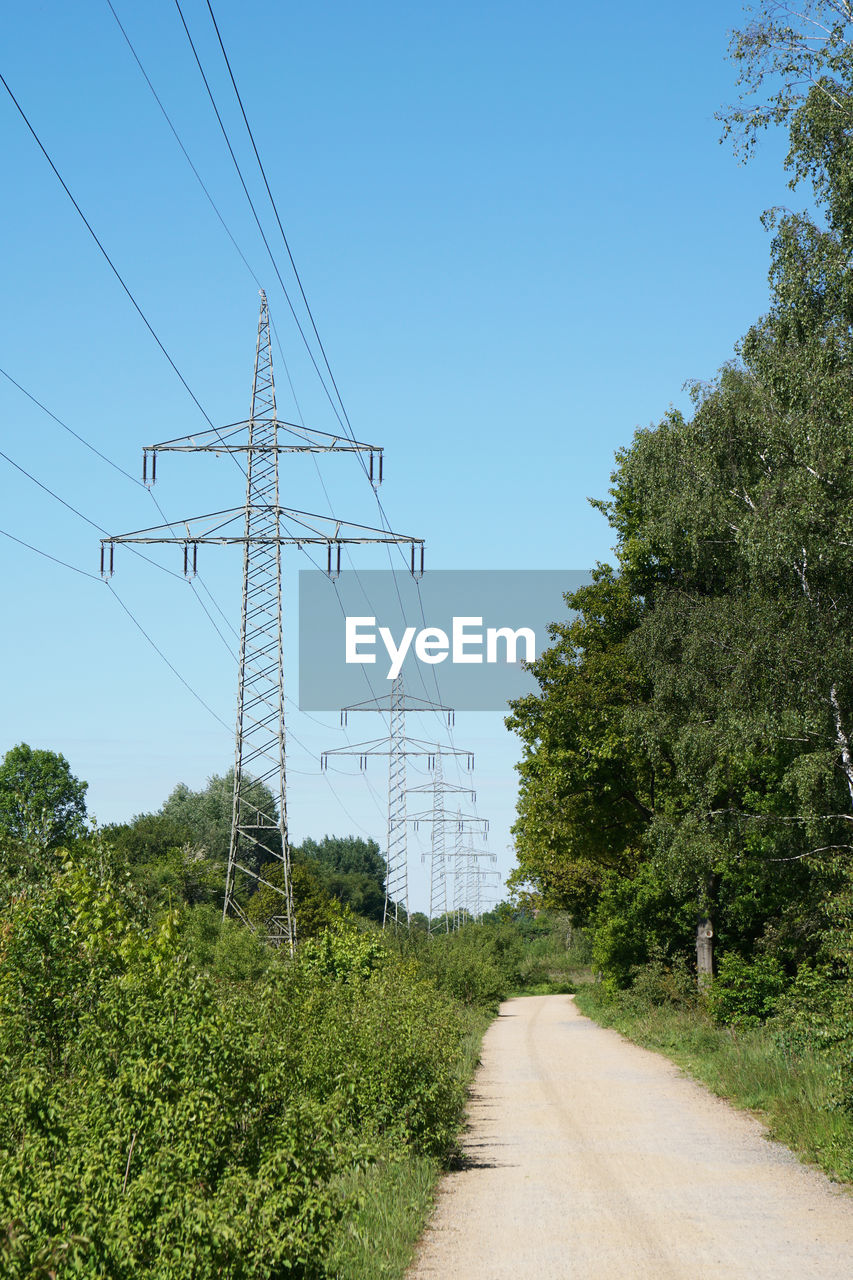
(346, 424)
(85, 573)
(275, 211)
(82, 440)
(47, 490)
(199, 178)
(138, 308)
(95, 578)
(172, 668)
(180, 143)
(106, 256)
(65, 427)
(254, 210)
(100, 528)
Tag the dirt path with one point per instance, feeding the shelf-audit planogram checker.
(592, 1159)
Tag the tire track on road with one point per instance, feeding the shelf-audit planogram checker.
(593, 1159)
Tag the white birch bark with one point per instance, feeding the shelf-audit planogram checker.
(843, 741)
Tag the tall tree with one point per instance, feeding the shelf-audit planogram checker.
(42, 804)
(584, 796)
(206, 814)
(698, 737)
(346, 855)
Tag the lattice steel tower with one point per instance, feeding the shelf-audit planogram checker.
(397, 746)
(262, 527)
(397, 877)
(442, 820)
(260, 739)
(467, 877)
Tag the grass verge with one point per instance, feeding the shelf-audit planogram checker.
(393, 1197)
(791, 1091)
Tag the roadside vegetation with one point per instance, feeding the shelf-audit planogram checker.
(686, 786)
(180, 1100)
(793, 1079)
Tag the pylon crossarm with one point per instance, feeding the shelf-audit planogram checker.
(379, 747)
(226, 439)
(409, 747)
(480, 853)
(444, 786)
(410, 704)
(451, 817)
(310, 529)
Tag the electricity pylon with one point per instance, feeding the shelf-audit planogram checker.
(397, 747)
(261, 527)
(466, 877)
(443, 818)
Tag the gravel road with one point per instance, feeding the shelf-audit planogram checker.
(592, 1159)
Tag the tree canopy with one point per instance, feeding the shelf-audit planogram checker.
(688, 754)
(206, 814)
(42, 805)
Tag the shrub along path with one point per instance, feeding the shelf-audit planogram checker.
(589, 1158)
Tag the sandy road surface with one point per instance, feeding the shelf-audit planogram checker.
(592, 1159)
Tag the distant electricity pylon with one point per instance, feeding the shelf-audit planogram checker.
(443, 819)
(262, 527)
(467, 877)
(396, 747)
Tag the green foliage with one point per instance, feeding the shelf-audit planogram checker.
(379, 1038)
(638, 919)
(349, 869)
(207, 814)
(391, 1202)
(663, 981)
(689, 752)
(314, 909)
(146, 1130)
(814, 1010)
(746, 992)
(477, 965)
(224, 949)
(165, 864)
(42, 806)
(147, 838)
(555, 954)
(584, 796)
(343, 952)
(179, 1100)
(795, 68)
(346, 855)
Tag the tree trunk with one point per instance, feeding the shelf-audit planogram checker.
(705, 952)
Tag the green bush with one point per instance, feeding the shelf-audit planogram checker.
(637, 920)
(144, 1130)
(478, 965)
(385, 1042)
(662, 983)
(745, 992)
(343, 951)
(180, 1102)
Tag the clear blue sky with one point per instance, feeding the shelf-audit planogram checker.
(519, 236)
